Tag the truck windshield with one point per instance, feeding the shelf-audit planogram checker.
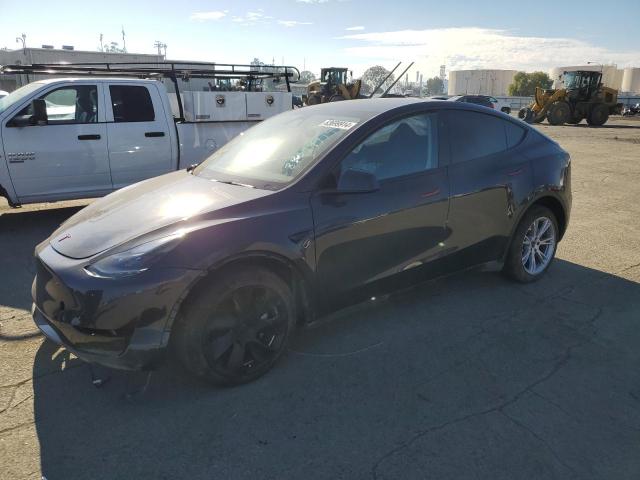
(17, 95)
(278, 150)
(569, 80)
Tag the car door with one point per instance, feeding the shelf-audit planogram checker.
(489, 177)
(65, 156)
(139, 140)
(366, 239)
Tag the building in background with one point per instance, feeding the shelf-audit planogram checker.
(480, 82)
(24, 56)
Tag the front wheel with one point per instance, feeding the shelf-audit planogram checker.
(236, 328)
(533, 245)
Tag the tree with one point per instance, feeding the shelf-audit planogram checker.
(113, 47)
(524, 84)
(372, 77)
(434, 86)
(307, 77)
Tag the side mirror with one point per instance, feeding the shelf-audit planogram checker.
(357, 181)
(39, 116)
(39, 111)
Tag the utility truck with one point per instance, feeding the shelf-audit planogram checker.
(111, 125)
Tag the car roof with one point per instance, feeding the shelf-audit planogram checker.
(367, 109)
(363, 109)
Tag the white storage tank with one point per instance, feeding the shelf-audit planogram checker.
(480, 82)
(631, 80)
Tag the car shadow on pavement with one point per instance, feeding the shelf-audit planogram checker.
(20, 232)
(468, 376)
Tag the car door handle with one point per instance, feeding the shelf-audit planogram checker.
(431, 193)
(154, 134)
(514, 173)
(88, 137)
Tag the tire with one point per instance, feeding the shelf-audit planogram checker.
(526, 114)
(598, 115)
(559, 113)
(236, 327)
(517, 265)
(314, 99)
(506, 110)
(337, 98)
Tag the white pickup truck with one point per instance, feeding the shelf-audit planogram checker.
(73, 138)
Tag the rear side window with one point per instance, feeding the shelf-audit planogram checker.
(514, 133)
(474, 135)
(131, 104)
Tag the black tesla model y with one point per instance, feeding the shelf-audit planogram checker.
(303, 213)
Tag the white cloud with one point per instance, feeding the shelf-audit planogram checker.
(468, 48)
(355, 29)
(252, 18)
(204, 16)
(293, 23)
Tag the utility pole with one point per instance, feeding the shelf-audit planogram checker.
(124, 42)
(101, 45)
(160, 45)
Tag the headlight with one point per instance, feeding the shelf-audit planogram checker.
(135, 260)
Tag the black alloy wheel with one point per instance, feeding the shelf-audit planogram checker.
(246, 333)
(235, 327)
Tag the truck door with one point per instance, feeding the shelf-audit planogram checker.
(138, 131)
(65, 157)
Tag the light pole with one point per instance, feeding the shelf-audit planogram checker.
(23, 39)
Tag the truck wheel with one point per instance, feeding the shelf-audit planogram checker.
(559, 113)
(235, 329)
(506, 110)
(533, 245)
(526, 114)
(599, 115)
(314, 99)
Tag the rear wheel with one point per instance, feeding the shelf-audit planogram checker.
(599, 115)
(533, 245)
(559, 113)
(506, 110)
(337, 98)
(234, 330)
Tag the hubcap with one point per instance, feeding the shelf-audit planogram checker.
(247, 331)
(538, 245)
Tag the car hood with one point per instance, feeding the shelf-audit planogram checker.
(143, 208)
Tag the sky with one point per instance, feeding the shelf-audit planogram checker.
(344, 33)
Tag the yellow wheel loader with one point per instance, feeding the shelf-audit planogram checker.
(583, 97)
(332, 87)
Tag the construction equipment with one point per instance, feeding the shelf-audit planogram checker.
(333, 86)
(583, 96)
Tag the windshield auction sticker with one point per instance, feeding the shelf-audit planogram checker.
(341, 124)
